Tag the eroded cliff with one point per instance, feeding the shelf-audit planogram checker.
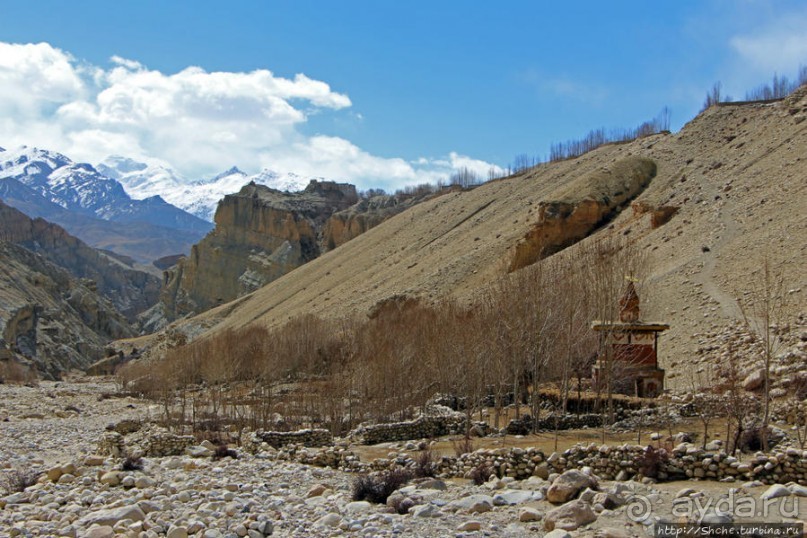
(49, 320)
(260, 235)
(129, 290)
(581, 208)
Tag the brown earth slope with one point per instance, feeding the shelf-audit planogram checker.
(130, 291)
(48, 318)
(732, 183)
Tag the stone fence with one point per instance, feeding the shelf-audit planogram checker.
(526, 425)
(311, 438)
(154, 445)
(425, 427)
(623, 462)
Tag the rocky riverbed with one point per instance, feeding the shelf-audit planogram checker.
(54, 429)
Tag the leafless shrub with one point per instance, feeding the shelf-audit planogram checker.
(17, 480)
(463, 446)
(377, 488)
(481, 474)
(425, 464)
(756, 437)
(131, 463)
(223, 451)
(652, 461)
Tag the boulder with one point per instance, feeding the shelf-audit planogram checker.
(568, 485)
(111, 516)
(570, 516)
(776, 490)
(754, 380)
(527, 514)
(470, 526)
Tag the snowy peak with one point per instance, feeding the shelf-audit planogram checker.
(201, 197)
(33, 164)
(82, 189)
(115, 165)
(234, 171)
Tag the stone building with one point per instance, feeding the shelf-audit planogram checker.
(629, 356)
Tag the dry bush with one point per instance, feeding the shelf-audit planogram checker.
(463, 446)
(481, 474)
(131, 463)
(17, 480)
(377, 488)
(652, 461)
(426, 464)
(223, 451)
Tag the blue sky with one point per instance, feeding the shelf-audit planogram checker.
(411, 89)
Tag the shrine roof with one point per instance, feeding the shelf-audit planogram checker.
(621, 326)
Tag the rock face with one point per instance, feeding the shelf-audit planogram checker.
(49, 320)
(584, 207)
(260, 235)
(129, 290)
(344, 225)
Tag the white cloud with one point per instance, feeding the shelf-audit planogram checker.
(780, 46)
(201, 122)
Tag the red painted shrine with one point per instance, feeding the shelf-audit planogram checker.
(629, 351)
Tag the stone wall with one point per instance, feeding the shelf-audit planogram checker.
(311, 438)
(525, 425)
(623, 462)
(154, 445)
(111, 444)
(427, 427)
(167, 444)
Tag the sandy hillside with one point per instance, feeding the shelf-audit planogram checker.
(738, 174)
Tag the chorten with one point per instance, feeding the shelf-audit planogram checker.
(629, 351)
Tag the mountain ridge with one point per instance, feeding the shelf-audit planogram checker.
(94, 207)
(199, 197)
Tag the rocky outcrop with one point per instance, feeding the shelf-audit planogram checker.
(582, 208)
(344, 225)
(260, 235)
(129, 290)
(50, 321)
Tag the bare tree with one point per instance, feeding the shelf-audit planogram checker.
(765, 312)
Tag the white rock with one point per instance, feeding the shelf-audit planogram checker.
(177, 532)
(330, 520)
(358, 507)
(528, 514)
(111, 516)
(515, 496)
(557, 533)
(100, 531)
(570, 516)
(474, 504)
(426, 510)
(776, 490)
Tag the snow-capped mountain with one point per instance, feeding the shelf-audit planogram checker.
(80, 188)
(200, 197)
